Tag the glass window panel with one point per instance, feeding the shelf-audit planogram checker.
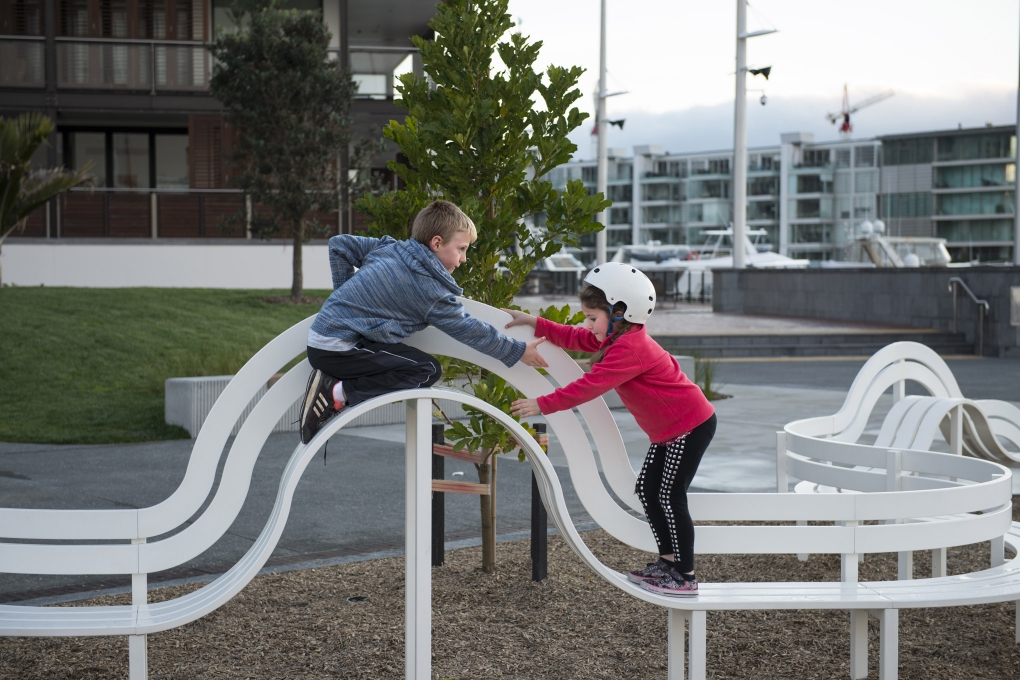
(843, 208)
(864, 156)
(975, 230)
(866, 182)
(131, 160)
(618, 237)
(172, 162)
(842, 158)
(844, 182)
(621, 193)
(90, 146)
(619, 215)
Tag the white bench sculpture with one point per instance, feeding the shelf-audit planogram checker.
(988, 490)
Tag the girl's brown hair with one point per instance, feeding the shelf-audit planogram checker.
(594, 298)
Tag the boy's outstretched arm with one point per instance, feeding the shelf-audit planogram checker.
(346, 252)
(449, 316)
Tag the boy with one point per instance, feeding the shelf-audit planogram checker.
(400, 288)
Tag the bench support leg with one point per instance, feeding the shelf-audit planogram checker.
(848, 567)
(697, 633)
(676, 644)
(938, 562)
(802, 556)
(418, 551)
(138, 663)
(889, 655)
(858, 644)
(905, 565)
(998, 551)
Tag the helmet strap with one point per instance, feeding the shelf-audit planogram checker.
(612, 324)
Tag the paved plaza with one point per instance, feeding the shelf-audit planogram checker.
(352, 504)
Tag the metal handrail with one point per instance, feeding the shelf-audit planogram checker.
(983, 307)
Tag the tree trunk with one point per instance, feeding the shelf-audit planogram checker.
(487, 474)
(298, 283)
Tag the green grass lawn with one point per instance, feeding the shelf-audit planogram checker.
(87, 365)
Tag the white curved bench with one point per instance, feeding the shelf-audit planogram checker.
(988, 489)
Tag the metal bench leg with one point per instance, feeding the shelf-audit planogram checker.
(889, 634)
(938, 562)
(858, 644)
(696, 635)
(676, 644)
(848, 567)
(905, 565)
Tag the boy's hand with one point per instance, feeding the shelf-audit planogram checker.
(520, 319)
(532, 357)
(522, 408)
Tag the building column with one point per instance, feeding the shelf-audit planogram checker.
(785, 161)
(347, 210)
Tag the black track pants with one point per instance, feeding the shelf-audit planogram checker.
(662, 488)
(374, 368)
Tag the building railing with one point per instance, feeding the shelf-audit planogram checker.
(153, 65)
(150, 214)
(983, 308)
(22, 62)
(164, 65)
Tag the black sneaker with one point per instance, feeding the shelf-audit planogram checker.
(653, 572)
(318, 406)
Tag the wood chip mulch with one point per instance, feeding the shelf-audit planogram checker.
(300, 624)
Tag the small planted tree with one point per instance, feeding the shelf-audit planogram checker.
(289, 106)
(484, 137)
(23, 190)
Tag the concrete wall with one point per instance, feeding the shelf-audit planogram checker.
(903, 297)
(123, 263)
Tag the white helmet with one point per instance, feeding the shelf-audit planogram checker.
(623, 283)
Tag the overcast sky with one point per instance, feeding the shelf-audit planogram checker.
(950, 62)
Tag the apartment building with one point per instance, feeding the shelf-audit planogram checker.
(812, 197)
(127, 83)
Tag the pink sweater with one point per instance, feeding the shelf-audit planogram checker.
(651, 385)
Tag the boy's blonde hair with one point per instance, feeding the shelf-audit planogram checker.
(443, 219)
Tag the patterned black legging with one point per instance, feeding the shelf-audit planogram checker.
(662, 487)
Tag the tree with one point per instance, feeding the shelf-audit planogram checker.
(478, 137)
(485, 139)
(289, 106)
(23, 190)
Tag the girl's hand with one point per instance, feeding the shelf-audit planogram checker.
(520, 319)
(522, 408)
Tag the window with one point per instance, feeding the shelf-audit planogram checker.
(843, 182)
(625, 171)
(763, 186)
(130, 160)
(864, 207)
(761, 210)
(172, 162)
(22, 17)
(618, 237)
(590, 174)
(975, 230)
(815, 158)
(812, 184)
(619, 215)
(719, 166)
(621, 193)
(907, 151)
(811, 233)
(661, 191)
(695, 212)
(966, 147)
(984, 203)
(712, 188)
(906, 205)
(807, 208)
(678, 168)
(90, 147)
(660, 214)
(864, 156)
(842, 158)
(843, 208)
(998, 174)
(866, 182)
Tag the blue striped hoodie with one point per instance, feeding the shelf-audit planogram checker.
(400, 288)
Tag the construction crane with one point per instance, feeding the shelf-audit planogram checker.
(845, 128)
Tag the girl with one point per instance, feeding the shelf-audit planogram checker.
(672, 411)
